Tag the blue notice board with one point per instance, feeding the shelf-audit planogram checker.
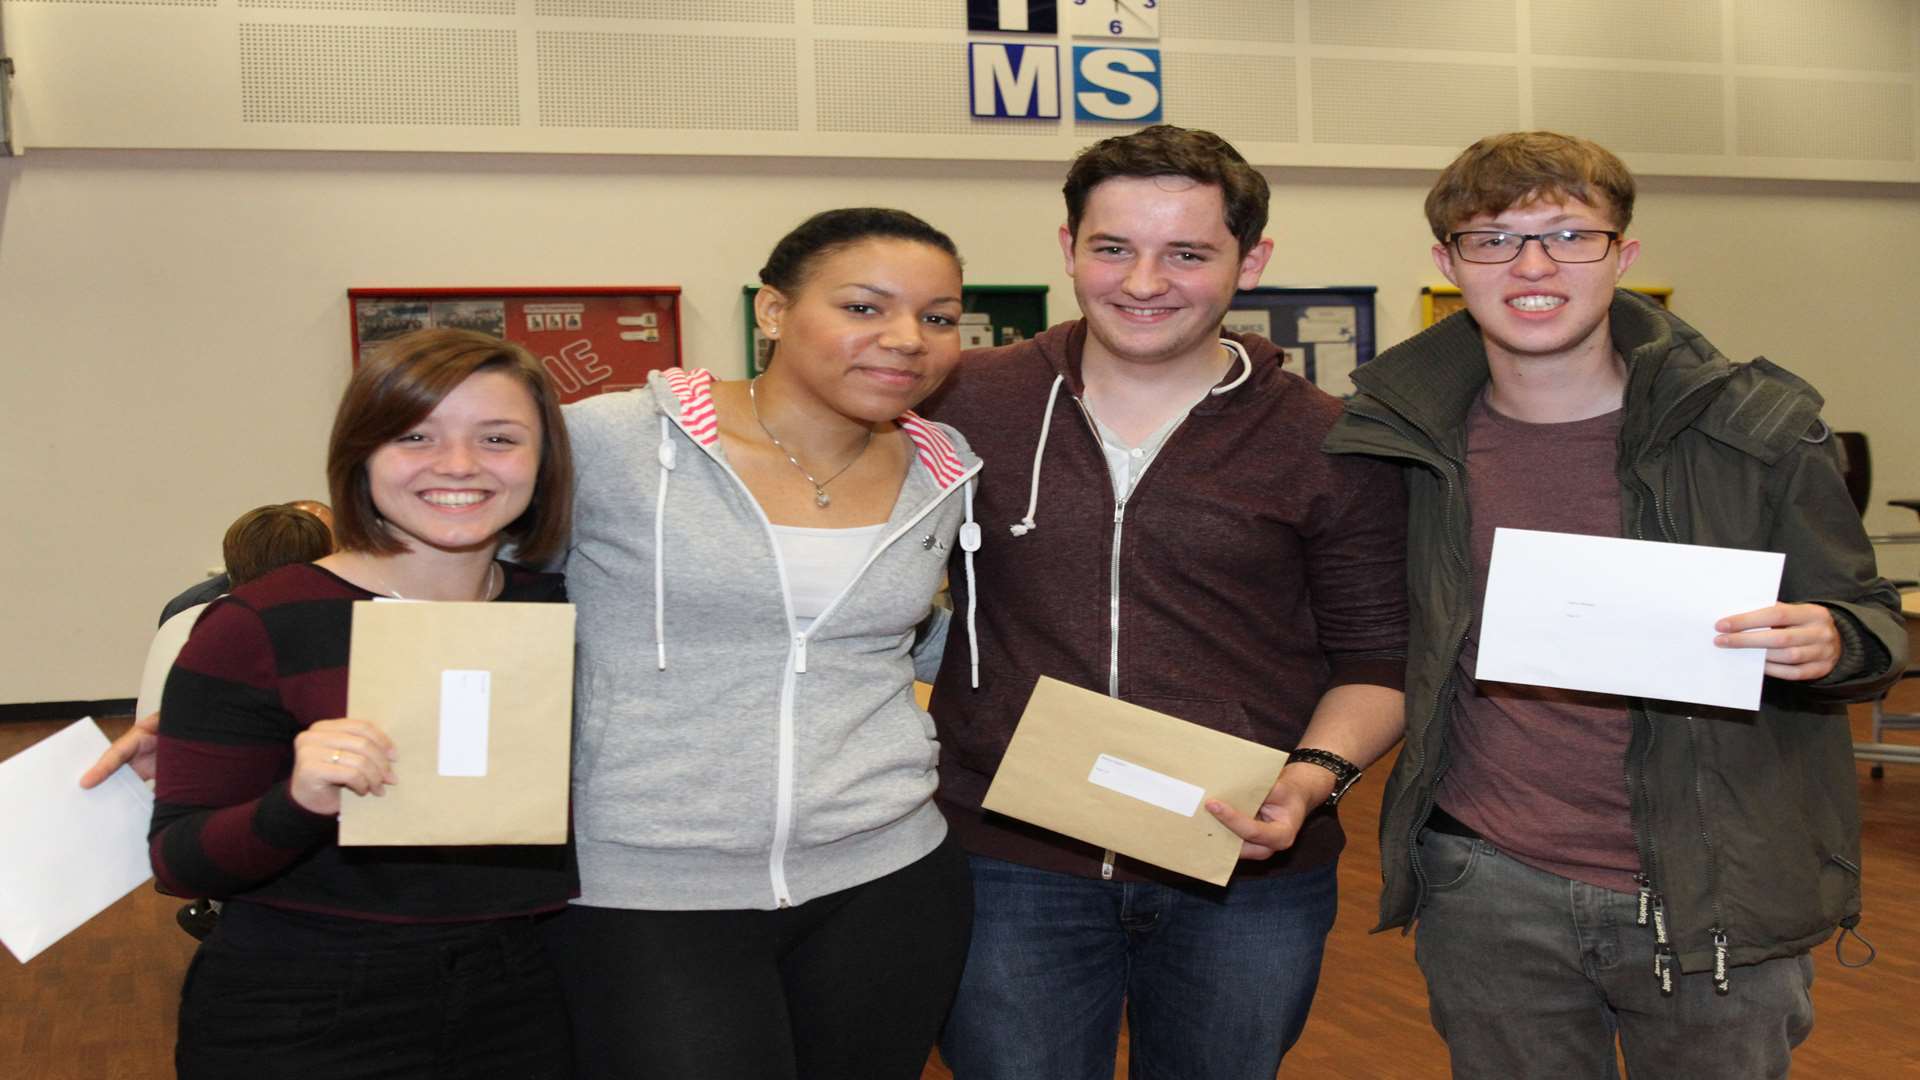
(1325, 332)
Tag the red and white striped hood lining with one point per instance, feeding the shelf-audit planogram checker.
(694, 390)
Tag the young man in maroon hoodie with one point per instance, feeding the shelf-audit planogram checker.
(1162, 527)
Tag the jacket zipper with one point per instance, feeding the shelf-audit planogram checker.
(797, 657)
(1448, 471)
(1668, 522)
(1720, 983)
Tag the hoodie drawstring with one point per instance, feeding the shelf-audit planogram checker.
(1026, 524)
(970, 543)
(667, 454)
(1246, 367)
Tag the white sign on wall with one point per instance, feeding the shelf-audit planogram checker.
(1014, 16)
(1116, 84)
(1020, 81)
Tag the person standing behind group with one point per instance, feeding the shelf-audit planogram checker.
(1162, 528)
(222, 583)
(1584, 866)
(767, 889)
(338, 962)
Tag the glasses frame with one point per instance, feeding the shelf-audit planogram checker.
(1453, 241)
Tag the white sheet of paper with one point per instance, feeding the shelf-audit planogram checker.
(1332, 323)
(1249, 321)
(466, 705)
(66, 855)
(1140, 782)
(1627, 617)
(1333, 367)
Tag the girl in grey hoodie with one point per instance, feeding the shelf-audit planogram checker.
(767, 889)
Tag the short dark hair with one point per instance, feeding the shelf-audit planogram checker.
(270, 537)
(1501, 172)
(830, 231)
(397, 387)
(1165, 150)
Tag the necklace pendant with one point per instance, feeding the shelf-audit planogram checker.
(821, 499)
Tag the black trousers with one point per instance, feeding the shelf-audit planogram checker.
(851, 986)
(274, 994)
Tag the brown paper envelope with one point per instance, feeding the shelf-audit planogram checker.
(395, 679)
(1067, 734)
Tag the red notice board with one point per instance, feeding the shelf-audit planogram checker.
(592, 340)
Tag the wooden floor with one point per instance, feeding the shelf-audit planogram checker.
(100, 1005)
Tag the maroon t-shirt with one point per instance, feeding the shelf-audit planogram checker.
(1539, 772)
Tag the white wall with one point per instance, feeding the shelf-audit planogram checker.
(173, 326)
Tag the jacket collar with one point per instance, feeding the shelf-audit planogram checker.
(1673, 375)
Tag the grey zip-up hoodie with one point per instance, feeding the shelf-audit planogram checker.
(723, 759)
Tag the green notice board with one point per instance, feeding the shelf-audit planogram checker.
(993, 315)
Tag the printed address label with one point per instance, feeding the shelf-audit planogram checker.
(466, 707)
(1140, 782)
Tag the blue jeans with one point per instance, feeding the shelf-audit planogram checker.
(1530, 974)
(1217, 982)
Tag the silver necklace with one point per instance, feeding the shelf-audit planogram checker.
(820, 497)
(486, 591)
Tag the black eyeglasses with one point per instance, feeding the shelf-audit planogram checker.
(1561, 245)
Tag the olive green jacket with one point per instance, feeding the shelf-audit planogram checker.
(1748, 824)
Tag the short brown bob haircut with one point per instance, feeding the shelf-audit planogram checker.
(398, 387)
(270, 537)
(1165, 150)
(1502, 172)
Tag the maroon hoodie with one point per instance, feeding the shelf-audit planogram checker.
(1254, 572)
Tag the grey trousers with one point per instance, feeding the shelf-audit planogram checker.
(1530, 974)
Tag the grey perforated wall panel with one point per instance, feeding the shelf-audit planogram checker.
(892, 14)
(1687, 30)
(1462, 26)
(739, 11)
(1389, 102)
(595, 79)
(1226, 20)
(1242, 98)
(1634, 111)
(426, 7)
(901, 88)
(298, 74)
(1821, 118)
(126, 3)
(1861, 35)
(1787, 88)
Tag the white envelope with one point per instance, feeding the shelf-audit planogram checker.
(1628, 617)
(66, 855)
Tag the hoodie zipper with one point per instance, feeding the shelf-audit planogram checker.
(1108, 856)
(797, 653)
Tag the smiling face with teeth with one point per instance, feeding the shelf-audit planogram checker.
(453, 481)
(1154, 268)
(1535, 309)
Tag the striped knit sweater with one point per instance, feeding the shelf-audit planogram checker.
(264, 663)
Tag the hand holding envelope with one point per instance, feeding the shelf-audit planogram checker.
(1627, 617)
(477, 699)
(1130, 779)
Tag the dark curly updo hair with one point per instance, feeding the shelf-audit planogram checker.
(831, 231)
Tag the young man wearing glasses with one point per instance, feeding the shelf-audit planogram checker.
(1585, 866)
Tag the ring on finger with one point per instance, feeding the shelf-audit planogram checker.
(334, 759)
